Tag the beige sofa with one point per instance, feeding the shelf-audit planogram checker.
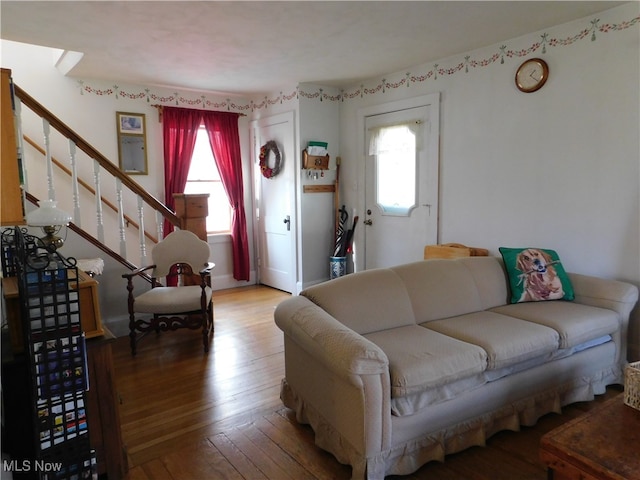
(396, 367)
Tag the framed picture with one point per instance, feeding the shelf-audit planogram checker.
(131, 123)
(132, 143)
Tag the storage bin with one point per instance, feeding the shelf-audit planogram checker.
(632, 385)
(337, 267)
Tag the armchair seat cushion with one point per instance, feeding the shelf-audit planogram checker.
(169, 300)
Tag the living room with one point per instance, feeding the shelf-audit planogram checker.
(558, 168)
(576, 138)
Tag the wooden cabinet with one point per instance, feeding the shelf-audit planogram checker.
(12, 206)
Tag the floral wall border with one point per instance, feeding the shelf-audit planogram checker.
(361, 91)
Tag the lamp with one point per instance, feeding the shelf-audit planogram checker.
(51, 219)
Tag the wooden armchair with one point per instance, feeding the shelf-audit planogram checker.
(183, 303)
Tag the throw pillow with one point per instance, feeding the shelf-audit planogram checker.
(536, 274)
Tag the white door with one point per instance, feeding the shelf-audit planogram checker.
(275, 203)
(401, 186)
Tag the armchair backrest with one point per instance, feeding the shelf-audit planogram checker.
(180, 246)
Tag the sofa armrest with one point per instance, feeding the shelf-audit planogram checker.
(339, 348)
(621, 297)
(599, 292)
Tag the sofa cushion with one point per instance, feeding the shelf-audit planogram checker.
(420, 359)
(574, 322)
(365, 302)
(507, 340)
(439, 289)
(490, 278)
(536, 274)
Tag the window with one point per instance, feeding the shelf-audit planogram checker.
(395, 151)
(204, 178)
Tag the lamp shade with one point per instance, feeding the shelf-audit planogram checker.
(47, 214)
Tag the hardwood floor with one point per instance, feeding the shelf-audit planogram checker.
(186, 415)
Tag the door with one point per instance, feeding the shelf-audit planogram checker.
(275, 203)
(401, 186)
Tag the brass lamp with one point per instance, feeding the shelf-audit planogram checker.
(51, 219)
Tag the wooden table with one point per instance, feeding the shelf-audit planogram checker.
(603, 444)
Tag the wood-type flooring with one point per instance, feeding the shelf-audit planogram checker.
(189, 415)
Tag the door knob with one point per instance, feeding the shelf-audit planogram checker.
(287, 220)
(368, 222)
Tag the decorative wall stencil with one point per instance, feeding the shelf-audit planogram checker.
(456, 67)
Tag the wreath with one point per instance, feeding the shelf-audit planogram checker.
(269, 172)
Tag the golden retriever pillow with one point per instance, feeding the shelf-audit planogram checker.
(536, 275)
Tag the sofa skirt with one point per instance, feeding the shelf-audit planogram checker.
(470, 418)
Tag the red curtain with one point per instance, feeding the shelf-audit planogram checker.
(222, 128)
(179, 129)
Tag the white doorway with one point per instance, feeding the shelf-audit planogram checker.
(401, 181)
(275, 203)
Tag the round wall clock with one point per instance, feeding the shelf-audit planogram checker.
(532, 75)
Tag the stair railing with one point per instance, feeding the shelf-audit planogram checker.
(123, 183)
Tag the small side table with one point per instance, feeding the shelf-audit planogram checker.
(602, 444)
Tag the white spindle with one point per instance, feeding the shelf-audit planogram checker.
(46, 130)
(143, 246)
(123, 239)
(96, 186)
(20, 137)
(74, 183)
(160, 225)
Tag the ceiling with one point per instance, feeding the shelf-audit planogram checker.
(246, 48)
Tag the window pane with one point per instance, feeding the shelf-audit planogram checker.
(203, 166)
(204, 177)
(396, 170)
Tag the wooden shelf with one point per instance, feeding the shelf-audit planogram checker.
(314, 162)
(319, 188)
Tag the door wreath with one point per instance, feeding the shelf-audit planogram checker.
(267, 171)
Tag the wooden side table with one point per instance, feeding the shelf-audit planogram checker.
(603, 444)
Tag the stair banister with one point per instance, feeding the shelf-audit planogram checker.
(95, 154)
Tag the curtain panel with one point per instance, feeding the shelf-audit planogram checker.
(222, 128)
(179, 131)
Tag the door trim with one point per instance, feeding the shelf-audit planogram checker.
(432, 101)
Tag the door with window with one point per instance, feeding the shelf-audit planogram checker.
(401, 186)
(275, 203)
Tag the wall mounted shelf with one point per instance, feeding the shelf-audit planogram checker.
(314, 162)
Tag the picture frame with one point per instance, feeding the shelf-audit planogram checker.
(132, 142)
(131, 123)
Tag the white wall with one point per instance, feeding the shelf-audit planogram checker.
(558, 168)
(317, 121)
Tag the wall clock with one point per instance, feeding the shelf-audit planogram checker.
(532, 75)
